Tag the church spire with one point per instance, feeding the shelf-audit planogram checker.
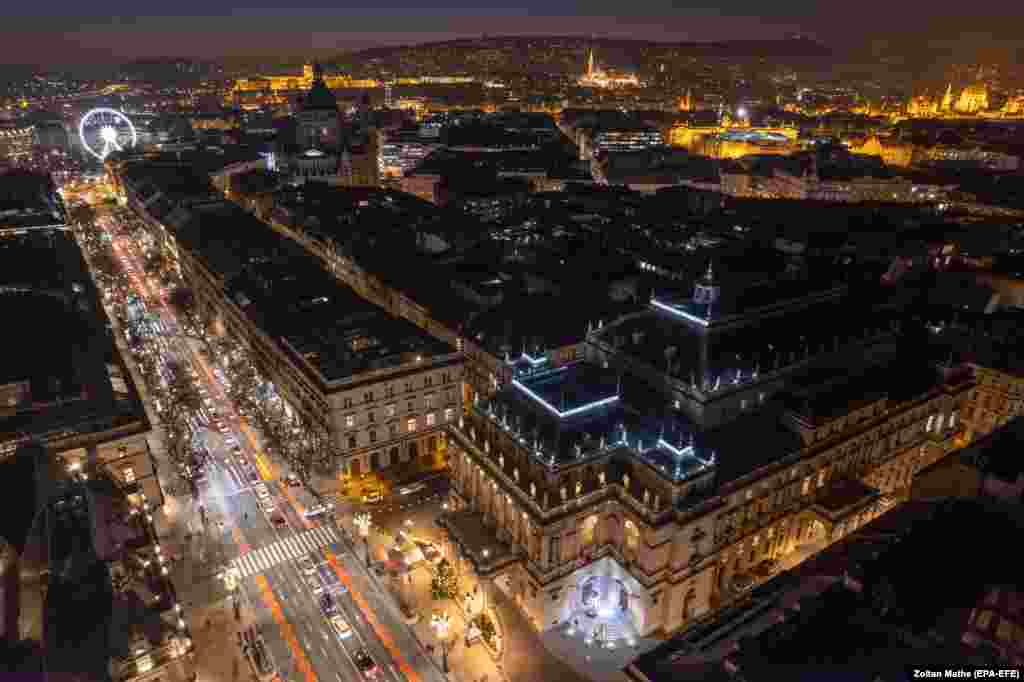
(947, 99)
(590, 62)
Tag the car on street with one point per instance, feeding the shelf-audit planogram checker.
(306, 566)
(343, 629)
(410, 489)
(328, 576)
(292, 480)
(327, 604)
(314, 583)
(365, 664)
(278, 520)
(318, 510)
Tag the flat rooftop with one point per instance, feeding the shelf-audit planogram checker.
(831, 392)
(29, 200)
(571, 389)
(284, 290)
(59, 370)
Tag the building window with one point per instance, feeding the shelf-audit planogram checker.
(931, 420)
(350, 421)
(370, 417)
(589, 528)
(411, 424)
(430, 419)
(389, 391)
(351, 442)
(428, 381)
(393, 430)
(129, 475)
(373, 436)
(449, 413)
(411, 408)
(429, 400)
(347, 403)
(821, 478)
(408, 386)
(632, 536)
(391, 410)
(807, 485)
(445, 377)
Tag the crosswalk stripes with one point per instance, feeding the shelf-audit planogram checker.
(285, 549)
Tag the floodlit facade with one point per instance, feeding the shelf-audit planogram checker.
(621, 514)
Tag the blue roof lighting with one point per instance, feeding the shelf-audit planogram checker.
(688, 450)
(568, 413)
(679, 313)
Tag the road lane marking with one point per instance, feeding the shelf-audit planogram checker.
(382, 634)
(279, 552)
(298, 545)
(301, 662)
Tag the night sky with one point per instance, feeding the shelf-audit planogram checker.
(57, 31)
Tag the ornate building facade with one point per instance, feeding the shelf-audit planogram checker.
(642, 493)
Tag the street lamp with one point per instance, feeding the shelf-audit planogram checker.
(440, 622)
(362, 521)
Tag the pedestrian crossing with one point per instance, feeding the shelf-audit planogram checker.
(283, 550)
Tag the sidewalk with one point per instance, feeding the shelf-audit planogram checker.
(219, 658)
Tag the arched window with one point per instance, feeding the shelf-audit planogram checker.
(632, 535)
(351, 442)
(589, 530)
(688, 602)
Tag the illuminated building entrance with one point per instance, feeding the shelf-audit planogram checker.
(603, 596)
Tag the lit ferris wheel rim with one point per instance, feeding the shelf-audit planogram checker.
(103, 131)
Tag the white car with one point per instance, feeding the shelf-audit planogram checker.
(410, 489)
(318, 510)
(344, 631)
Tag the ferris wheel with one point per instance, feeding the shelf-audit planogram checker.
(103, 131)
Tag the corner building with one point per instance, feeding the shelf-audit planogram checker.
(704, 444)
(374, 388)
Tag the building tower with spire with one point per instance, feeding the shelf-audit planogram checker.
(705, 289)
(590, 62)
